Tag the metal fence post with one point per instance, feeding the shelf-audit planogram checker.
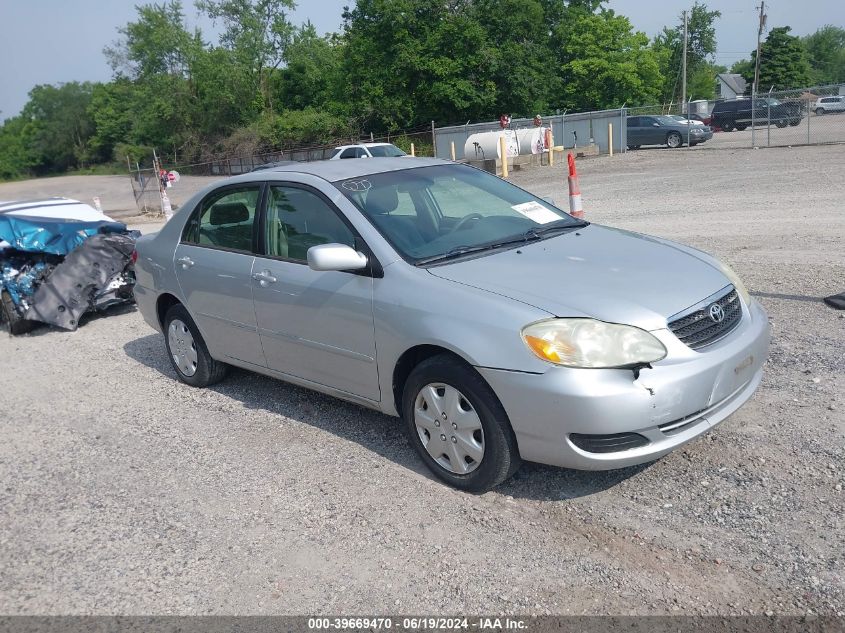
(623, 143)
(753, 117)
(769, 119)
(808, 122)
(433, 140)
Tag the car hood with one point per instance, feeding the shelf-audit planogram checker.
(600, 272)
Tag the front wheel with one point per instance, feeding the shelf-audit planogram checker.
(781, 123)
(673, 140)
(726, 126)
(9, 317)
(458, 426)
(742, 128)
(187, 351)
(820, 111)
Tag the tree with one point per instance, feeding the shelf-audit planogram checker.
(701, 48)
(58, 126)
(16, 153)
(603, 62)
(826, 55)
(311, 76)
(411, 61)
(783, 62)
(257, 31)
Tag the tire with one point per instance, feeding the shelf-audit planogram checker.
(479, 422)
(634, 146)
(820, 111)
(674, 140)
(11, 320)
(727, 126)
(188, 352)
(781, 123)
(742, 127)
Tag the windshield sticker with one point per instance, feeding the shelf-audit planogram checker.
(357, 185)
(536, 212)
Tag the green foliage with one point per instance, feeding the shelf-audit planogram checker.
(701, 48)
(604, 63)
(826, 55)
(783, 62)
(16, 155)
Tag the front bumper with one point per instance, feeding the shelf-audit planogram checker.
(684, 395)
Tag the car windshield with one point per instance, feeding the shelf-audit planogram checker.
(385, 151)
(445, 211)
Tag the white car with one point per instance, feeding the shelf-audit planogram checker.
(367, 150)
(829, 104)
(684, 121)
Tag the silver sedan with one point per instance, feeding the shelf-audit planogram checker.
(496, 326)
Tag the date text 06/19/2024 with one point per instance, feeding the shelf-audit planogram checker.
(419, 623)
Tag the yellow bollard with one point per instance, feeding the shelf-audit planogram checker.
(412, 150)
(610, 138)
(503, 152)
(453, 151)
(551, 148)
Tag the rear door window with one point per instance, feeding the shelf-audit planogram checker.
(225, 220)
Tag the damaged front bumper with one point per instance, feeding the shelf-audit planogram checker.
(53, 270)
(601, 419)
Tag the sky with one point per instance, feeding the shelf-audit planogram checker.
(51, 41)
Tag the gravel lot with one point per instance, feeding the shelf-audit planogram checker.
(124, 491)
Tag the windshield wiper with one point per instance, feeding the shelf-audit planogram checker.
(458, 251)
(529, 236)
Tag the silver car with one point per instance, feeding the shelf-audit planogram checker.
(496, 326)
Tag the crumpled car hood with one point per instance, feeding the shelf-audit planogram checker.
(600, 272)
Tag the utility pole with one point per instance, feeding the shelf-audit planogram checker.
(759, 36)
(684, 72)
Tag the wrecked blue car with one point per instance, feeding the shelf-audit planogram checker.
(60, 258)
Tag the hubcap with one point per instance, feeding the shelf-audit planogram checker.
(182, 347)
(449, 428)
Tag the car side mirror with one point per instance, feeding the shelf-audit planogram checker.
(327, 257)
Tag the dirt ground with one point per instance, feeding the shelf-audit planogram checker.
(125, 491)
(115, 192)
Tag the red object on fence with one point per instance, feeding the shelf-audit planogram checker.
(575, 208)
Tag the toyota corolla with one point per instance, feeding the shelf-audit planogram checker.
(496, 326)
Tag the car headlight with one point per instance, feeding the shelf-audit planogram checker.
(592, 344)
(728, 272)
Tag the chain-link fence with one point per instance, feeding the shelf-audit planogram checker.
(806, 116)
(145, 180)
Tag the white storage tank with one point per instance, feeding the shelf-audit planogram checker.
(486, 145)
(532, 140)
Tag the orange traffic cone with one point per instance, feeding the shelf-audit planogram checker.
(575, 208)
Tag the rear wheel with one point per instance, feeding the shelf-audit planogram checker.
(781, 123)
(742, 127)
(820, 111)
(187, 351)
(727, 126)
(634, 147)
(673, 140)
(458, 426)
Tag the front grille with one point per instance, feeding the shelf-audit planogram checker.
(608, 443)
(696, 329)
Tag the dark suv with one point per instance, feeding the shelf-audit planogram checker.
(737, 114)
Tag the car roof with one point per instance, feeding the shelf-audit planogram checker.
(334, 170)
(363, 145)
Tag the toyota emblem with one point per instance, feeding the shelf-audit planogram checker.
(717, 314)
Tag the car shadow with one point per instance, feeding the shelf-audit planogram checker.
(377, 432)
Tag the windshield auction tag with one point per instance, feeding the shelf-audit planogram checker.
(536, 212)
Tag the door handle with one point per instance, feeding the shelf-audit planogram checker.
(185, 262)
(264, 278)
